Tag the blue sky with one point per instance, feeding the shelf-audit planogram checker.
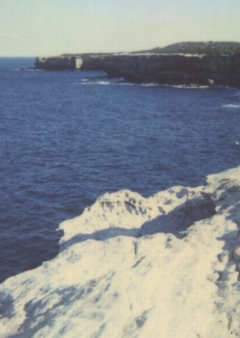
(52, 27)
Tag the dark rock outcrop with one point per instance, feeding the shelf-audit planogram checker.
(160, 68)
(56, 63)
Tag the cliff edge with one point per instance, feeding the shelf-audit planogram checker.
(170, 68)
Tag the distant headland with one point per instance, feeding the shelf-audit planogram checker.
(201, 63)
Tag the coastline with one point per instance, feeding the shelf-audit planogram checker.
(173, 69)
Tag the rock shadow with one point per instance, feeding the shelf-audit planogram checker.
(230, 254)
(6, 305)
(175, 222)
(42, 313)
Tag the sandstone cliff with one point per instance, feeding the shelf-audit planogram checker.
(161, 68)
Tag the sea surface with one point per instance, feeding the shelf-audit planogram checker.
(67, 137)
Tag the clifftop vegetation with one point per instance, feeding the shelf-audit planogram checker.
(199, 48)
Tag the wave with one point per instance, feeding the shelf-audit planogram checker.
(150, 84)
(26, 70)
(231, 105)
(34, 70)
(104, 80)
(104, 83)
(234, 97)
(127, 84)
(100, 80)
(188, 86)
(119, 82)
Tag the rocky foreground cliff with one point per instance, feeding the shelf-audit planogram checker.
(161, 68)
(166, 266)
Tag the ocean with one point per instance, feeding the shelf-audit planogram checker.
(67, 137)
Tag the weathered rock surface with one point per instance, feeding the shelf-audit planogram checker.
(129, 266)
(160, 68)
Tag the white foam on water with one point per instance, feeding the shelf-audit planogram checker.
(35, 70)
(106, 82)
(189, 87)
(127, 84)
(97, 83)
(151, 84)
(231, 106)
(114, 81)
(129, 266)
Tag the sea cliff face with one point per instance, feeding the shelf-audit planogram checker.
(160, 68)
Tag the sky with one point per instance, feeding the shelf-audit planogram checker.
(52, 27)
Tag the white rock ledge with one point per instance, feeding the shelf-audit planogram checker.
(165, 266)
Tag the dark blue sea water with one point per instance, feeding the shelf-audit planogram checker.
(68, 137)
